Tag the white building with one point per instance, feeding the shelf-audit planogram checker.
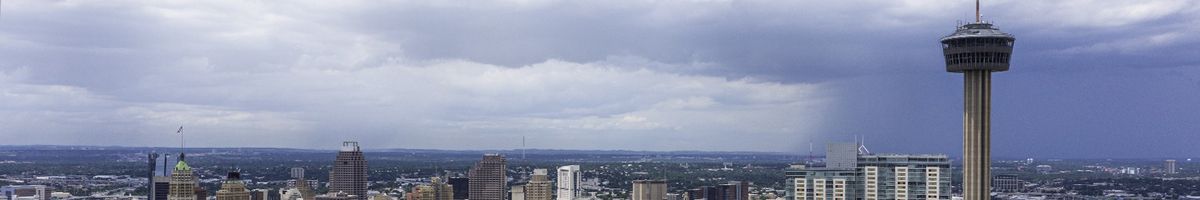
(568, 182)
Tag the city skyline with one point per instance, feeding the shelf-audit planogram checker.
(659, 76)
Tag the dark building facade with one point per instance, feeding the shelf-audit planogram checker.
(349, 174)
(734, 190)
(162, 186)
(488, 179)
(461, 187)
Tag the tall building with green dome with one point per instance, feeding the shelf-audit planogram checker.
(183, 182)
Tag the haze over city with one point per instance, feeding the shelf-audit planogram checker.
(1090, 79)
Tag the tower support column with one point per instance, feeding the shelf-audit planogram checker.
(977, 151)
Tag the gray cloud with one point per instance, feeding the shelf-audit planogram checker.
(659, 75)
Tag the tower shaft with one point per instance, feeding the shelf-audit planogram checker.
(977, 151)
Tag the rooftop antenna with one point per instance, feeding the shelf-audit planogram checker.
(810, 150)
(180, 132)
(978, 17)
(523, 147)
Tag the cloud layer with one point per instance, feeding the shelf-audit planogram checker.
(645, 75)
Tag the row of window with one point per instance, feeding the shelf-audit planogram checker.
(977, 42)
(977, 57)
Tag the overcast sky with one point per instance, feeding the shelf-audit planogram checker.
(1089, 78)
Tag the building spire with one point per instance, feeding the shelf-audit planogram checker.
(978, 18)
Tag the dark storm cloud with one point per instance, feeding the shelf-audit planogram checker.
(710, 75)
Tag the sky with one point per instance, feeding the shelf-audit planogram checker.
(1089, 78)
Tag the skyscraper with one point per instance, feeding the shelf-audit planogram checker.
(489, 178)
(153, 161)
(183, 183)
(539, 187)
(568, 182)
(977, 49)
(162, 187)
(233, 188)
(649, 190)
(1170, 167)
(349, 174)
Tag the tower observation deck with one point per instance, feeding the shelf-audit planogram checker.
(976, 50)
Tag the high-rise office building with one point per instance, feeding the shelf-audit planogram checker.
(1169, 167)
(734, 190)
(183, 182)
(233, 188)
(539, 187)
(704, 193)
(162, 187)
(461, 187)
(568, 182)
(152, 160)
(649, 190)
(25, 191)
(876, 176)
(489, 179)
(976, 50)
(349, 174)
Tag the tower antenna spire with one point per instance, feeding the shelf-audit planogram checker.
(978, 18)
(180, 132)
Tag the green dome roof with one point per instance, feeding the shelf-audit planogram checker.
(181, 166)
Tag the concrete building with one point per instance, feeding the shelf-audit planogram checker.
(649, 190)
(875, 176)
(1169, 167)
(489, 179)
(461, 187)
(841, 155)
(183, 182)
(568, 182)
(435, 190)
(539, 187)
(733, 190)
(517, 192)
(349, 174)
(1006, 183)
(25, 192)
(976, 50)
(233, 188)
